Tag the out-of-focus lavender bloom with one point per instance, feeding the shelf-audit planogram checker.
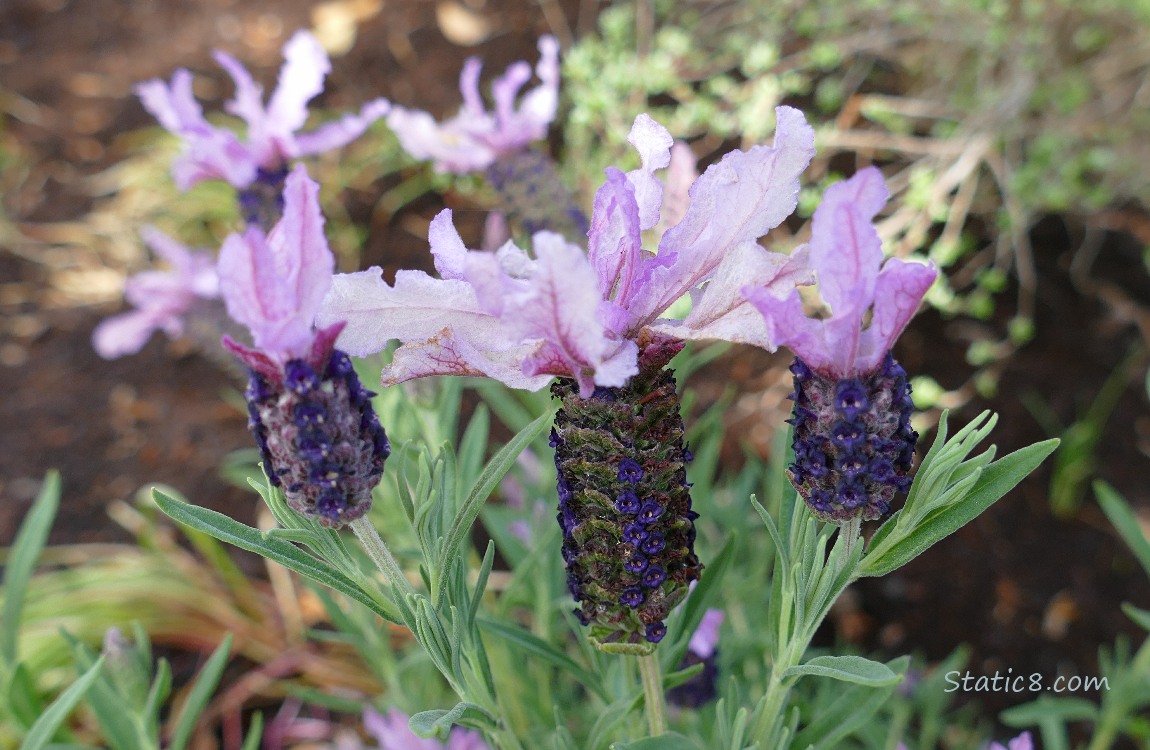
(161, 298)
(318, 436)
(705, 639)
(701, 649)
(589, 315)
(473, 139)
(853, 441)
(392, 732)
(273, 136)
(1022, 742)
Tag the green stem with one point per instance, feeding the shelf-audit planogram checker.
(380, 554)
(652, 674)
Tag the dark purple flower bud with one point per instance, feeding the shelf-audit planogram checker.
(655, 632)
(325, 448)
(635, 564)
(653, 544)
(654, 576)
(634, 533)
(630, 471)
(853, 442)
(627, 503)
(632, 596)
(650, 512)
(620, 460)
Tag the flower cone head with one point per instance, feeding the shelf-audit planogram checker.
(625, 505)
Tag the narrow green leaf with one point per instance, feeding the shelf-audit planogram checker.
(669, 741)
(201, 693)
(115, 715)
(158, 692)
(532, 644)
(1124, 521)
(1046, 707)
(488, 479)
(480, 583)
(245, 537)
(438, 722)
(255, 732)
(23, 699)
(995, 481)
(854, 669)
(45, 727)
(22, 561)
(1140, 616)
(852, 708)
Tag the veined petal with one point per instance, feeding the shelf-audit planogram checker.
(681, 174)
(448, 353)
(788, 326)
(614, 242)
(562, 309)
(719, 309)
(899, 290)
(417, 308)
(343, 131)
(846, 250)
(653, 142)
(300, 80)
(305, 261)
(737, 200)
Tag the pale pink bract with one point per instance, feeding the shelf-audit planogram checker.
(161, 298)
(847, 258)
(273, 136)
(590, 315)
(474, 138)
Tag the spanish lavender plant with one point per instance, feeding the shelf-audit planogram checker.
(317, 433)
(162, 298)
(593, 319)
(853, 441)
(498, 144)
(257, 166)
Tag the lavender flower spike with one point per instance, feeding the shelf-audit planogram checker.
(273, 137)
(594, 319)
(475, 138)
(1022, 742)
(852, 439)
(161, 298)
(318, 436)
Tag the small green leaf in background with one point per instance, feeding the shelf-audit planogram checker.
(669, 741)
(847, 669)
(22, 561)
(202, 690)
(275, 549)
(45, 727)
(1124, 520)
(438, 722)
